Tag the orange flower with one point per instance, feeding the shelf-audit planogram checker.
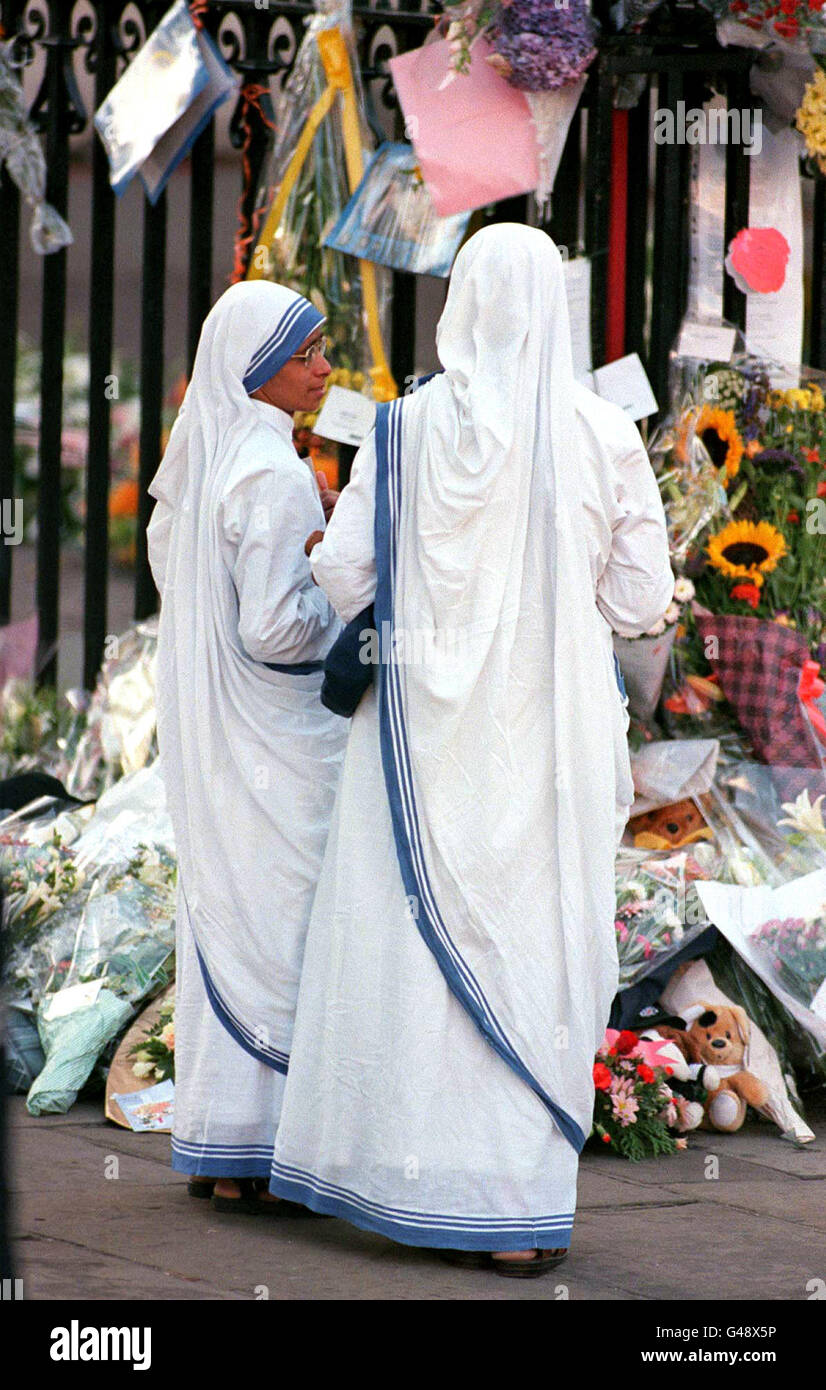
(123, 499)
(821, 489)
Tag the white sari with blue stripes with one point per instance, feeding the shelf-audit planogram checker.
(250, 756)
(460, 961)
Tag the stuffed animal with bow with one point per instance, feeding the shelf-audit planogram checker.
(718, 1036)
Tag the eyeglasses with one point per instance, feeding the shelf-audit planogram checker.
(319, 348)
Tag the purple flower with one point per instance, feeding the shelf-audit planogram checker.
(776, 461)
(545, 46)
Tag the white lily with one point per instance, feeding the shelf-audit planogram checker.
(805, 815)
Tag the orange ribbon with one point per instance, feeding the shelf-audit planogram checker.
(197, 9)
(247, 234)
(809, 689)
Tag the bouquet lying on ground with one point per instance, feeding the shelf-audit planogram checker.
(635, 1109)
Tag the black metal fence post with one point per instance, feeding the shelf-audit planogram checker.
(102, 58)
(152, 363)
(57, 110)
(9, 291)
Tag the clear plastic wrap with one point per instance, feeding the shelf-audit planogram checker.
(105, 950)
(780, 931)
(120, 732)
(296, 255)
(25, 163)
(657, 909)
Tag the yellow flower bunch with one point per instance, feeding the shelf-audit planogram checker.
(811, 118)
(798, 398)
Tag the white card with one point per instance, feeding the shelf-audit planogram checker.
(625, 383)
(346, 416)
(578, 291)
(74, 997)
(709, 342)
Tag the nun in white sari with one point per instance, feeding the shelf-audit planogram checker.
(250, 757)
(460, 961)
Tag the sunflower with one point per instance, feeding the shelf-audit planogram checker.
(746, 550)
(718, 431)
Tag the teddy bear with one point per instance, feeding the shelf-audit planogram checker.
(670, 827)
(718, 1035)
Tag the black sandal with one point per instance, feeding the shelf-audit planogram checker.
(528, 1269)
(201, 1187)
(465, 1259)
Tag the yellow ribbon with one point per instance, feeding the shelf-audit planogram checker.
(336, 61)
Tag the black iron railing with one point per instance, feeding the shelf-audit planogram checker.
(261, 43)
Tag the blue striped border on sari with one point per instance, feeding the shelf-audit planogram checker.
(221, 1160)
(399, 781)
(443, 1231)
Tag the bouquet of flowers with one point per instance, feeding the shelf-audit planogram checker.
(537, 46)
(634, 1107)
(155, 1054)
(104, 952)
(656, 910)
(37, 881)
(786, 20)
(796, 947)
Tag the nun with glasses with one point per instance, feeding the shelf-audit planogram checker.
(460, 960)
(249, 755)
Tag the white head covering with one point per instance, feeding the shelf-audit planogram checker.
(514, 734)
(248, 336)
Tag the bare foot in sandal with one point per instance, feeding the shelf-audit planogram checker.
(526, 1264)
(230, 1187)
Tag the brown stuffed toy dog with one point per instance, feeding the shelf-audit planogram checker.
(669, 827)
(719, 1035)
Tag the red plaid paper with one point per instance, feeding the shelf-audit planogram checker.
(757, 666)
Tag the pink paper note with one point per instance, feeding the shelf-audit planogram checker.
(474, 137)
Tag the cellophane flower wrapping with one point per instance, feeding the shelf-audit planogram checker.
(657, 909)
(120, 729)
(298, 257)
(117, 934)
(780, 932)
(25, 163)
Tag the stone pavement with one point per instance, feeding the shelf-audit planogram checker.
(664, 1228)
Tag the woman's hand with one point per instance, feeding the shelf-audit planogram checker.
(327, 495)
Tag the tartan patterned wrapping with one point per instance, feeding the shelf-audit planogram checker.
(758, 667)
